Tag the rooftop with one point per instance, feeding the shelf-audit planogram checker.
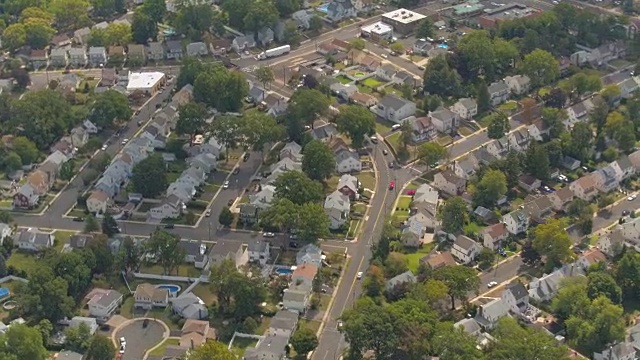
(143, 80)
(510, 11)
(403, 16)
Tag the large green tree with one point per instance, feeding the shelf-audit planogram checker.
(109, 108)
(498, 124)
(541, 67)
(165, 249)
(357, 122)
(454, 215)
(460, 281)
(491, 188)
(538, 345)
(220, 88)
(22, 342)
(537, 162)
(298, 188)
(191, 119)
(211, 350)
(431, 153)
(313, 223)
(45, 296)
(149, 176)
(101, 348)
(440, 79)
(552, 240)
(304, 340)
(318, 161)
(238, 295)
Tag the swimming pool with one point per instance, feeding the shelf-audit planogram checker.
(173, 289)
(443, 46)
(284, 271)
(324, 8)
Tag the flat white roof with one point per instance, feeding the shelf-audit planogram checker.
(377, 28)
(143, 80)
(403, 16)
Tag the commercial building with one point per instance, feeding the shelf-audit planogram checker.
(402, 20)
(511, 11)
(468, 9)
(377, 31)
(148, 82)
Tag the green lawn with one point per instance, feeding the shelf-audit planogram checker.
(412, 186)
(372, 83)
(204, 292)
(23, 261)
(360, 208)
(413, 258)
(332, 183)
(383, 127)
(183, 270)
(472, 228)
(343, 79)
(465, 131)
(509, 106)
(404, 202)
(167, 342)
(364, 89)
(368, 180)
(6, 203)
(126, 309)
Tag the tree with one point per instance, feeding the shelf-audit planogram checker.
(3, 266)
(292, 35)
(541, 67)
(307, 104)
(397, 48)
(498, 124)
(611, 93)
(602, 284)
(38, 33)
(6, 217)
(584, 83)
(453, 215)
(597, 325)
(281, 215)
(143, 27)
(211, 350)
(101, 348)
(99, 247)
(425, 29)
(76, 269)
(22, 342)
(238, 295)
(579, 143)
(46, 329)
(298, 188)
(358, 44)
(149, 176)
(109, 108)
(193, 20)
(374, 282)
(552, 240)
(12, 162)
(477, 52)
(207, 85)
(304, 340)
(45, 296)
(454, 343)
(460, 280)
(109, 225)
(91, 224)
(227, 130)
(395, 264)
(366, 331)
(260, 14)
(66, 171)
(537, 162)
(191, 119)
(118, 34)
(440, 79)
(430, 153)
(313, 223)
(506, 54)
(155, 9)
(483, 98)
(265, 75)
(226, 217)
(129, 256)
(259, 130)
(491, 188)
(556, 98)
(70, 13)
(318, 161)
(78, 338)
(315, 24)
(538, 345)
(26, 149)
(165, 249)
(357, 122)
(14, 36)
(528, 113)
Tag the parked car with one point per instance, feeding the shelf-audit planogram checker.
(236, 171)
(632, 197)
(78, 219)
(104, 147)
(225, 185)
(492, 284)
(269, 235)
(124, 141)
(384, 152)
(359, 276)
(245, 157)
(392, 185)
(208, 213)
(169, 226)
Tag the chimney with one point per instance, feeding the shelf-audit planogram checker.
(192, 344)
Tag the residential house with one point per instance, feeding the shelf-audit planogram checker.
(631, 230)
(196, 333)
(302, 17)
(265, 36)
(623, 168)
(494, 235)
(97, 56)
(519, 140)
(219, 47)
(529, 183)
(229, 250)
(309, 254)
(421, 47)
(343, 91)
(405, 278)
(241, 43)
(79, 241)
(498, 92)
(470, 326)
(561, 198)
(570, 163)
(518, 84)
(539, 208)
(607, 52)
(81, 36)
(148, 296)
(465, 249)
(196, 49)
(483, 215)
(490, 313)
(538, 130)
(339, 10)
(404, 78)
(263, 198)
(115, 53)
(174, 49)
(619, 351)
(516, 297)
(283, 323)
(170, 207)
(578, 113)
(195, 253)
(28, 195)
(104, 303)
(295, 300)
(448, 182)
(280, 168)
(546, 287)
(499, 147)
(466, 108)
(363, 99)
(155, 51)
(136, 53)
(324, 133)
(337, 207)
(444, 120)
(291, 151)
(303, 275)
(425, 193)
(90, 323)
(516, 221)
(606, 179)
(259, 251)
(59, 57)
(78, 136)
(437, 260)
(585, 187)
(189, 306)
(66, 354)
(394, 108)
(248, 213)
(256, 94)
(206, 162)
(347, 161)
(33, 240)
(611, 243)
(386, 72)
(465, 167)
(108, 77)
(97, 202)
(413, 231)
(349, 186)
(591, 257)
(634, 157)
(5, 231)
(275, 105)
(38, 58)
(423, 129)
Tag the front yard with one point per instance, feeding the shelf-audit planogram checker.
(368, 180)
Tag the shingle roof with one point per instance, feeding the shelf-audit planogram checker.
(393, 102)
(464, 242)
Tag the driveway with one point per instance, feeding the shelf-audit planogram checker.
(139, 339)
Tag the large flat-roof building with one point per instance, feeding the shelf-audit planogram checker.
(511, 11)
(468, 9)
(377, 31)
(402, 20)
(148, 82)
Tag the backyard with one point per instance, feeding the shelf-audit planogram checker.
(372, 83)
(413, 257)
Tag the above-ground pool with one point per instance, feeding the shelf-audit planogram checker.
(284, 271)
(173, 289)
(9, 305)
(359, 74)
(324, 8)
(4, 292)
(443, 46)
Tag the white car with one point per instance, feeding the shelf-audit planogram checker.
(104, 147)
(208, 213)
(269, 235)
(225, 185)
(359, 276)
(340, 324)
(492, 284)
(384, 56)
(123, 342)
(125, 141)
(122, 347)
(396, 126)
(632, 197)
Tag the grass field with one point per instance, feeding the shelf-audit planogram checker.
(404, 202)
(413, 258)
(372, 83)
(368, 180)
(167, 342)
(23, 261)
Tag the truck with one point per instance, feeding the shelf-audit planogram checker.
(280, 50)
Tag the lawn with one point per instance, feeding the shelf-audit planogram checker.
(360, 208)
(364, 89)
(465, 131)
(126, 309)
(368, 180)
(372, 83)
(394, 141)
(167, 342)
(383, 127)
(61, 238)
(203, 292)
(509, 106)
(332, 183)
(472, 228)
(412, 186)
(6, 203)
(343, 79)
(404, 202)
(413, 258)
(22, 261)
(443, 140)
(354, 226)
(183, 270)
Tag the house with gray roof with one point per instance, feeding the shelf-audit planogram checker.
(406, 277)
(546, 287)
(97, 56)
(170, 208)
(263, 198)
(265, 36)
(324, 133)
(296, 299)
(195, 253)
(189, 306)
(104, 303)
(292, 150)
(81, 36)
(58, 57)
(337, 207)
(245, 42)
(174, 49)
(33, 240)
(498, 92)
(518, 84)
(465, 249)
(445, 120)
(413, 231)
(619, 351)
(229, 250)
(283, 323)
(259, 251)
(155, 51)
(248, 213)
(339, 10)
(196, 49)
(394, 108)
(466, 108)
(490, 313)
(309, 254)
(206, 162)
(516, 297)
(470, 326)
(256, 94)
(269, 347)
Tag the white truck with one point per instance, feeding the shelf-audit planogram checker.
(280, 50)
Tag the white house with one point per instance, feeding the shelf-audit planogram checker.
(347, 161)
(444, 120)
(465, 249)
(516, 221)
(104, 303)
(516, 297)
(33, 240)
(518, 84)
(337, 207)
(466, 108)
(91, 323)
(97, 202)
(490, 313)
(295, 300)
(259, 251)
(394, 108)
(171, 207)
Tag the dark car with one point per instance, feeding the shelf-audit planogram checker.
(78, 219)
(145, 323)
(625, 212)
(236, 171)
(169, 226)
(392, 164)
(245, 157)
(293, 244)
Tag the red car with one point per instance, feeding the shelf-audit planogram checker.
(411, 192)
(392, 185)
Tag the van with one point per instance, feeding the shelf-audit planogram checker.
(395, 127)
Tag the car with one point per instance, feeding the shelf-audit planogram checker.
(632, 197)
(122, 347)
(340, 324)
(395, 126)
(123, 341)
(374, 139)
(420, 67)
(245, 157)
(158, 106)
(293, 244)
(124, 141)
(625, 212)
(392, 164)
(225, 185)
(236, 171)
(293, 237)
(140, 122)
(208, 213)
(384, 56)
(169, 226)
(78, 219)
(104, 147)
(392, 185)
(145, 323)
(269, 235)
(492, 284)
(384, 152)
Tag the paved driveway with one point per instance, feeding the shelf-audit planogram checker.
(140, 340)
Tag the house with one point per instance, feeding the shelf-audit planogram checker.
(291, 151)
(406, 277)
(363, 99)
(263, 198)
(155, 51)
(538, 130)
(465, 249)
(196, 49)
(195, 333)
(606, 52)
(611, 243)
(578, 113)
(79, 241)
(148, 296)
(303, 275)
(516, 221)
(81, 36)
(115, 53)
(606, 179)
(104, 303)
(241, 43)
(259, 251)
(421, 47)
(28, 195)
(422, 129)
(219, 47)
(169, 208)
(38, 58)
(97, 56)
(256, 94)
(5, 231)
(324, 133)
(302, 17)
(494, 235)
(337, 207)
(437, 260)
(561, 198)
(529, 183)
(207, 162)
(518, 84)
(347, 161)
(498, 148)
(585, 187)
(394, 108)
(349, 186)
(483, 215)
(68, 355)
(634, 157)
(229, 250)
(448, 182)
(58, 57)
(97, 202)
(498, 92)
(466, 108)
(623, 168)
(490, 313)
(195, 252)
(546, 287)
(248, 213)
(470, 326)
(339, 10)
(591, 257)
(295, 300)
(465, 167)
(631, 230)
(283, 323)
(265, 36)
(570, 163)
(174, 49)
(33, 240)
(191, 307)
(619, 351)
(425, 194)
(137, 53)
(404, 78)
(343, 91)
(386, 72)
(90, 323)
(516, 297)
(309, 254)
(275, 105)
(413, 231)
(519, 140)
(444, 120)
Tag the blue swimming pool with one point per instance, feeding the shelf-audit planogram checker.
(173, 289)
(443, 46)
(4, 292)
(284, 271)
(324, 8)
